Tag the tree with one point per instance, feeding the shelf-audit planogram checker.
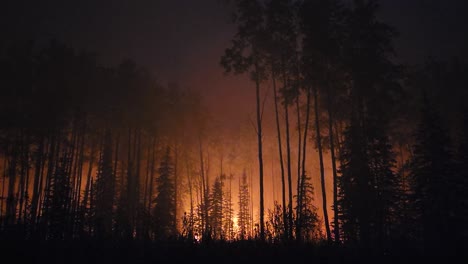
(163, 212)
(245, 55)
(216, 209)
(373, 82)
(281, 51)
(322, 27)
(105, 182)
(431, 178)
(310, 230)
(243, 217)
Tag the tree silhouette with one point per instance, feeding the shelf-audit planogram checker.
(367, 51)
(105, 182)
(163, 212)
(246, 55)
(431, 178)
(243, 216)
(216, 209)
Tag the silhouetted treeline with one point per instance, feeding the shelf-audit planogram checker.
(108, 153)
(91, 152)
(398, 177)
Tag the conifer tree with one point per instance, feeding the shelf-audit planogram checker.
(431, 177)
(216, 209)
(243, 217)
(105, 189)
(163, 211)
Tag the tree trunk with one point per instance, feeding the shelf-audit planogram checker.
(260, 150)
(322, 171)
(303, 172)
(189, 181)
(288, 159)
(204, 191)
(153, 160)
(280, 152)
(176, 156)
(333, 160)
(37, 179)
(10, 216)
(147, 176)
(2, 197)
(24, 164)
(299, 136)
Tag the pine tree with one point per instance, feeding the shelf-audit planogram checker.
(366, 162)
(309, 221)
(163, 212)
(59, 193)
(216, 209)
(105, 183)
(247, 55)
(228, 222)
(431, 172)
(243, 217)
(352, 195)
(388, 194)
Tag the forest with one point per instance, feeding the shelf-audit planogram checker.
(349, 153)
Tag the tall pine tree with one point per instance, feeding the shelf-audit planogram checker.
(430, 178)
(164, 214)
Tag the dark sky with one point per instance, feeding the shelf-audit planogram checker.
(182, 40)
(435, 28)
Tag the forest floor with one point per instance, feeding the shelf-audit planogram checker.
(241, 252)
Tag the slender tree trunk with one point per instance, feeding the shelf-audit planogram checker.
(303, 172)
(77, 192)
(147, 175)
(42, 181)
(322, 171)
(10, 216)
(176, 156)
(51, 165)
(333, 160)
(26, 189)
(189, 181)
(4, 177)
(288, 158)
(116, 164)
(153, 160)
(137, 213)
(86, 195)
(204, 190)
(75, 174)
(280, 152)
(27, 195)
(260, 150)
(77, 178)
(299, 136)
(131, 185)
(251, 203)
(23, 165)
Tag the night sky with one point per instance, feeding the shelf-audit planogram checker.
(182, 40)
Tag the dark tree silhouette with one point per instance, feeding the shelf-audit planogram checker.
(367, 52)
(322, 25)
(163, 211)
(245, 55)
(431, 179)
(243, 216)
(105, 182)
(216, 209)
